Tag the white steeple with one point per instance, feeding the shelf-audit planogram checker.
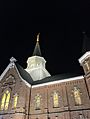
(36, 64)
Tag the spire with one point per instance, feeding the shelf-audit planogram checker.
(36, 64)
(37, 51)
(86, 43)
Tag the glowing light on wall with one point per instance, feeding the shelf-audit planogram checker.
(15, 100)
(5, 100)
(55, 99)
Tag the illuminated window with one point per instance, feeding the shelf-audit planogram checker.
(55, 99)
(37, 101)
(87, 65)
(5, 100)
(77, 96)
(15, 100)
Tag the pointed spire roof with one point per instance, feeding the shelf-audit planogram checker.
(37, 51)
(86, 43)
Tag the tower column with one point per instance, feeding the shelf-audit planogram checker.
(85, 63)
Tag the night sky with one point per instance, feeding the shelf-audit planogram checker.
(60, 25)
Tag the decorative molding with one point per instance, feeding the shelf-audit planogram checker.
(12, 64)
(85, 56)
(7, 68)
(10, 80)
(59, 81)
(10, 77)
(12, 59)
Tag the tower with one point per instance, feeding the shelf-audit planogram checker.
(86, 43)
(36, 64)
(85, 63)
(85, 59)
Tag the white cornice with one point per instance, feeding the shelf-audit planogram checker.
(59, 81)
(34, 57)
(7, 68)
(86, 55)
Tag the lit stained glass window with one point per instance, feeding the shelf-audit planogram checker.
(55, 99)
(15, 100)
(5, 100)
(77, 96)
(37, 101)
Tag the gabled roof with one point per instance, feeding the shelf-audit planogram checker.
(23, 74)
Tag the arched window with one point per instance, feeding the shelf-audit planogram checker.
(77, 96)
(15, 100)
(55, 99)
(37, 101)
(5, 100)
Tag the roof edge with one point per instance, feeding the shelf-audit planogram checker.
(59, 81)
(86, 55)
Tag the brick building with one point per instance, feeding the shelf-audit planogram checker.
(32, 93)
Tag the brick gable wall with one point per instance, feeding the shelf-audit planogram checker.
(26, 101)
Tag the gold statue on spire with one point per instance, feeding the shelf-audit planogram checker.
(38, 37)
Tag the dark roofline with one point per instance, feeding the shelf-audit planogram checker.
(24, 74)
(56, 78)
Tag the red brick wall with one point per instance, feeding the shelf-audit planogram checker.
(23, 92)
(66, 99)
(66, 109)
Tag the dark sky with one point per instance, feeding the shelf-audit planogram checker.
(60, 23)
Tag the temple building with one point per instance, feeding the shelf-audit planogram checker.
(32, 93)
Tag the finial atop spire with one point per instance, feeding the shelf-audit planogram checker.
(37, 51)
(38, 37)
